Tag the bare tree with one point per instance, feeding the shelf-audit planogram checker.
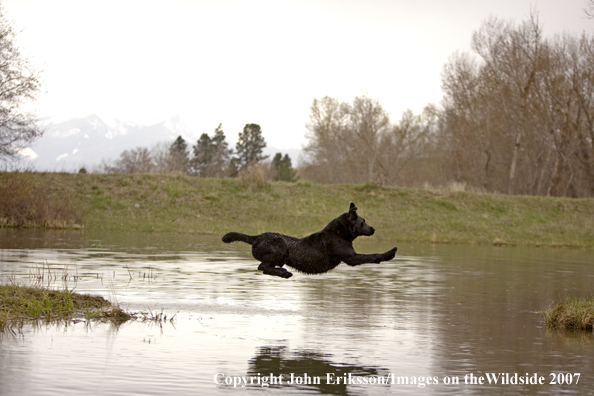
(19, 83)
(512, 57)
(355, 143)
(517, 116)
(137, 160)
(520, 120)
(160, 154)
(573, 132)
(589, 9)
(368, 122)
(328, 149)
(405, 148)
(583, 89)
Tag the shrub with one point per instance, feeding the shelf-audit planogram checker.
(27, 204)
(254, 176)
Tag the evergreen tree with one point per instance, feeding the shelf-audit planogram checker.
(250, 145)
(221, 153)
(202, 155)
(233, 168)
(284, 169)
(178, 156)
(211, 155)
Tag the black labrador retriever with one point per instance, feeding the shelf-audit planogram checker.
(315, 254)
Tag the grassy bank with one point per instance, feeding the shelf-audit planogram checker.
(571, 314)
(177, 203)
(26, 201)
(24, 303)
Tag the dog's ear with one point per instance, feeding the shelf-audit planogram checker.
(352, 215)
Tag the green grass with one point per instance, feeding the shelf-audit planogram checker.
(185, 204)
(24, 303)
(571, 314)
(21, 304)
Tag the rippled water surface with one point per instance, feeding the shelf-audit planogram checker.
(435, 314)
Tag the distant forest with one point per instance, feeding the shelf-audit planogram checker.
(209, 157)
(517, 117)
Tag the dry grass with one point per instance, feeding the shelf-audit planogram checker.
(254, 176)
(25, 203)
(456, 186)
(571, 314)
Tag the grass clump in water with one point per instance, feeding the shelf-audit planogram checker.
(21, 303)
(571, 314)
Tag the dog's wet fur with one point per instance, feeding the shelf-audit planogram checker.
(315, 254)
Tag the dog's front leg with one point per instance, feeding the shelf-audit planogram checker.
(358, 259)
(389, 255)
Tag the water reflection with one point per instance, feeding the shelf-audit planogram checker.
(578, 341)
(435, 311)
(311, 370)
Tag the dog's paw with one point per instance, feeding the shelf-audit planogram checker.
(390, 254)
(275, 271)
(283, 273)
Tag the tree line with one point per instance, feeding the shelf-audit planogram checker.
(209, 157)
(517, 117)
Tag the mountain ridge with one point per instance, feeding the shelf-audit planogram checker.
(69, 144)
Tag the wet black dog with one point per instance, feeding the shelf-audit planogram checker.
(315, 254)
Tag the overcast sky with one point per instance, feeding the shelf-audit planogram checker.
(238, 62)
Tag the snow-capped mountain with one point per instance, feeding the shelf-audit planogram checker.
(86, 141)
(69, 144)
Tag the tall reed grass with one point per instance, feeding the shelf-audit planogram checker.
(571, 314)
(254, 176)
(24, 203)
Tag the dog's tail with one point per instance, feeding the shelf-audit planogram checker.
(237, 236)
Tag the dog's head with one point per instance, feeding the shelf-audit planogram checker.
(357, 223)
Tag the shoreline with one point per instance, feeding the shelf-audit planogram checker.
(171, 203)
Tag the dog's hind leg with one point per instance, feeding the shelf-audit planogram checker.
(271, 269)
(271, 250)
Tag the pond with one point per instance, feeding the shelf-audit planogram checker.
(437, 319)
